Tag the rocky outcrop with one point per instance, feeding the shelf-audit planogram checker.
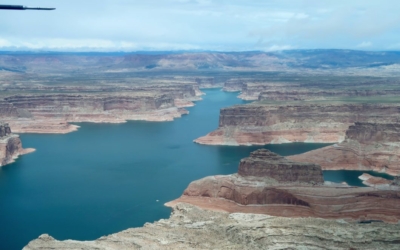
(5, 130)
(233, 85)
(367, 146)
(190, 227)
(10, 145)
(379, 182)
(317, 94)
(251, 90)
(290, 192)
(52, 113)
(259, 124)
(264, 163)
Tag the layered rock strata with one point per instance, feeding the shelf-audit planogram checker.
(290, 192)
(52, 113)
(367, 146)
(190, 227)
(10, 145)
(309, 94)
(380, 183)
(233, 85)
(259, 124)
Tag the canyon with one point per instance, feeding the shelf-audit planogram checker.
(271, 203)
(299, 96)
(267, 183)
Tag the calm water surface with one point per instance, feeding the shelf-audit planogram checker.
(105, 178)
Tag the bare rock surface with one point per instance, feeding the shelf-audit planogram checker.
(190, 227)
(367, 146)
(264, 163)
(291, 192)
(10, 145)
(53, 112)
(260, 124)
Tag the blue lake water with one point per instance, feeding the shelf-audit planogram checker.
(105, 178)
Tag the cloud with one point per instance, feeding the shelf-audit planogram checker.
(364, 45)
(202, 24)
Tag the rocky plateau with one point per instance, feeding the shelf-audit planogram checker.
(191, 227)
(367, 146)
(267, 183)
(259, 124)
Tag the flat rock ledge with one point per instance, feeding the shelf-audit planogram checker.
(190, 227)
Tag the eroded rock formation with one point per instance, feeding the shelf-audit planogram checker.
(10, 145)
(190, 227)
(51, 113)
(259, 124)
(367, 146)
(290, 191)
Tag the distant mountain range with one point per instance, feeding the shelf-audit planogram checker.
(184, 60)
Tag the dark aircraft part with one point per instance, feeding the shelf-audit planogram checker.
(21, 7)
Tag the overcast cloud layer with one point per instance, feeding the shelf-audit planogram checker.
(234, 25)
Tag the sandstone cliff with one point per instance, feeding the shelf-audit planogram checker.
(10, 145)
(51, 113)
(367, 146)
(259, 124)
(190, 227)
(290, 191)
(318, 94)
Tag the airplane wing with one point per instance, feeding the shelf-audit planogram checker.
(21, 7)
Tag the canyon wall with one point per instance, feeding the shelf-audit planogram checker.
(307, 95)
(259, 124)
(52, 113)
(367, 146)
(10, 145)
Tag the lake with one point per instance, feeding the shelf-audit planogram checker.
(105, 178)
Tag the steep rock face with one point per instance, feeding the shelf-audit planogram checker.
(50, 113)
(367, 146)
(264, 163)
(233, 85)
(317, 94)
(285, 195)
(5, 129)
(190, 227)
(252, 90)
(10, 145)
(260, 124)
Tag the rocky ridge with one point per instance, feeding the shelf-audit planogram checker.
(367, 146)
(259, 124)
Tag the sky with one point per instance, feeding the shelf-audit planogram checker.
(217, 25)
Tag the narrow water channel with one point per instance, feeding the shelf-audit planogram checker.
(105, 178)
